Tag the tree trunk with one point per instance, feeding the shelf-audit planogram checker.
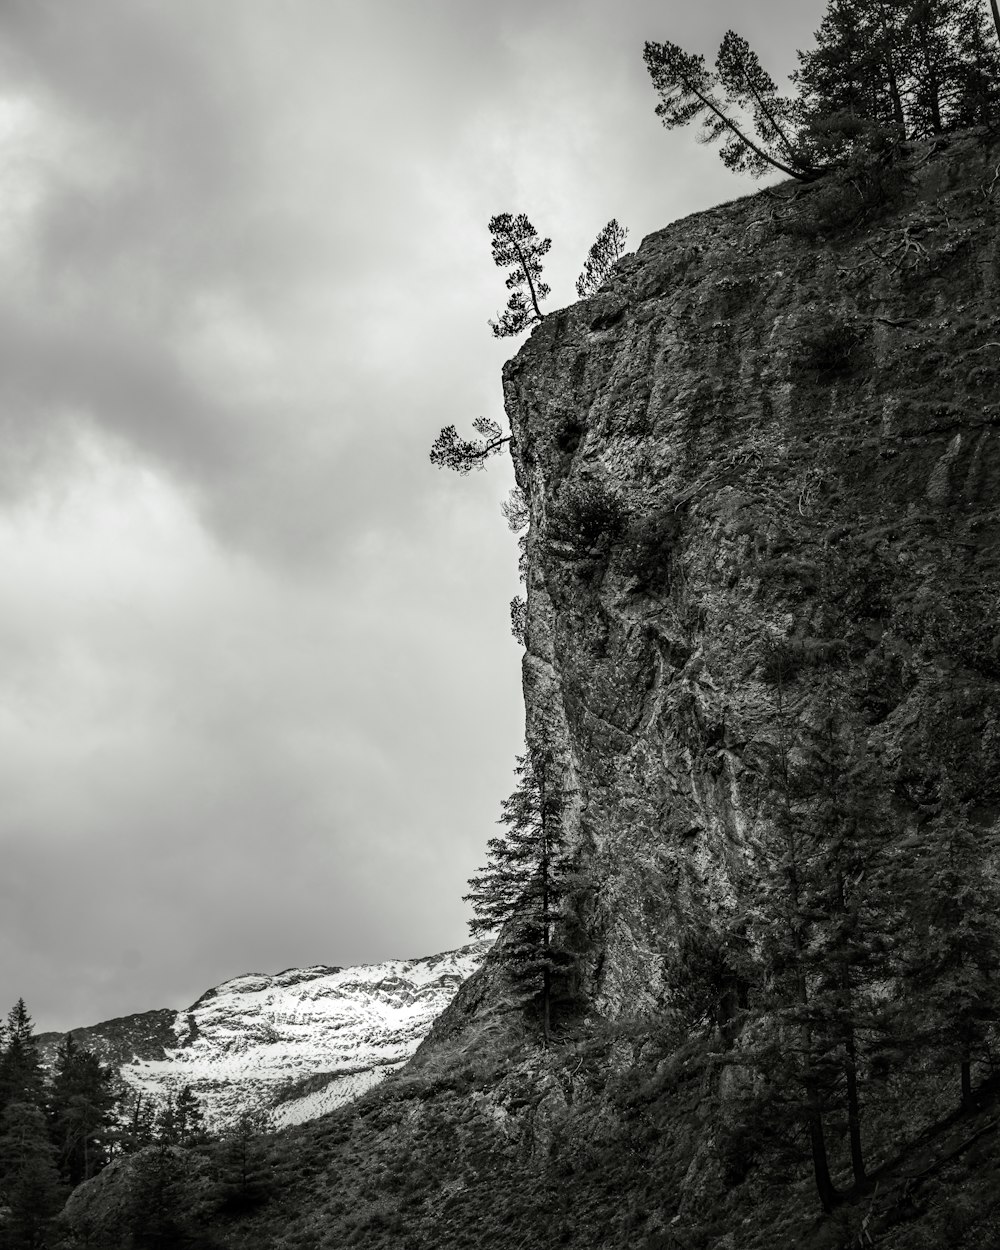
(854, 1110)
(821, 1164)
(967, 1102)
(996, 16)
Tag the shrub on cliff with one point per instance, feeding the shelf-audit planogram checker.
(830, 351)
(647, 547)
(585, 512)
(881, 72)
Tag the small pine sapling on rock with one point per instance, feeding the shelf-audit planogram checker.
(608, 247)
(516, 245)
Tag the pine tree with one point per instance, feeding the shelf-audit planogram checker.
(689, 91)
(950, 954)
(849, 83)
(189, 1118)
(21, 1078)
(524, 884)
(516, 246)
(138, 1129)
(820, 915)
(888, 70)
(81, 1104)
(448, 451)
(30, 1182)
(607, 248)
(156, 1207)
(244, 1181)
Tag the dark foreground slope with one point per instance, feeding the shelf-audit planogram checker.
(765, 456)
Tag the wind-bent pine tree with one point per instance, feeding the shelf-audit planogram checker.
(689, 91)
(607, 248)
(449, 451)
(523, 886)
(517, 247)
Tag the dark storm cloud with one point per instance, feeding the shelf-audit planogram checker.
(259, 695)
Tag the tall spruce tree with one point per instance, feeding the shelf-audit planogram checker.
(21, 1077)
(244, 1181)
(820, 911)
(29, 1181)
(81, 1106)
(524, 884)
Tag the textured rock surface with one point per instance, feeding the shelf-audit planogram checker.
(297, 1043)
(802, 438)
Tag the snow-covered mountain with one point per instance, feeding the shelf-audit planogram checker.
(296, 1043)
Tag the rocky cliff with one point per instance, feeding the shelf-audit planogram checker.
(762, 463)
(769, 439)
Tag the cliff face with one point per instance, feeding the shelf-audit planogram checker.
(767, 446)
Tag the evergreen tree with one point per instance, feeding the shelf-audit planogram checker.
(81, 1104)
(156, 1212)
(897, 69)
(849, 83)
(819, 919)
(950, 955)
(517, 247)
(190, 1120)
(244, 1181)
(524, 884)
(138, 1129)
(448, 451)
(29, 1182)
(181, 1121)
(689, 91)
(21, 1078)
(607, 248)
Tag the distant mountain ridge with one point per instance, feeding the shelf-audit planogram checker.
(296, 1043)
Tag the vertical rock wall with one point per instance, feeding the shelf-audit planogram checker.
(761, 434)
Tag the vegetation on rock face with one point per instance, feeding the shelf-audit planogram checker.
(523, 888)
(607, 248)
(516, 246)
(882, 72)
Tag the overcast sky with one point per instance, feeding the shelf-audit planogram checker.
(259, 701)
